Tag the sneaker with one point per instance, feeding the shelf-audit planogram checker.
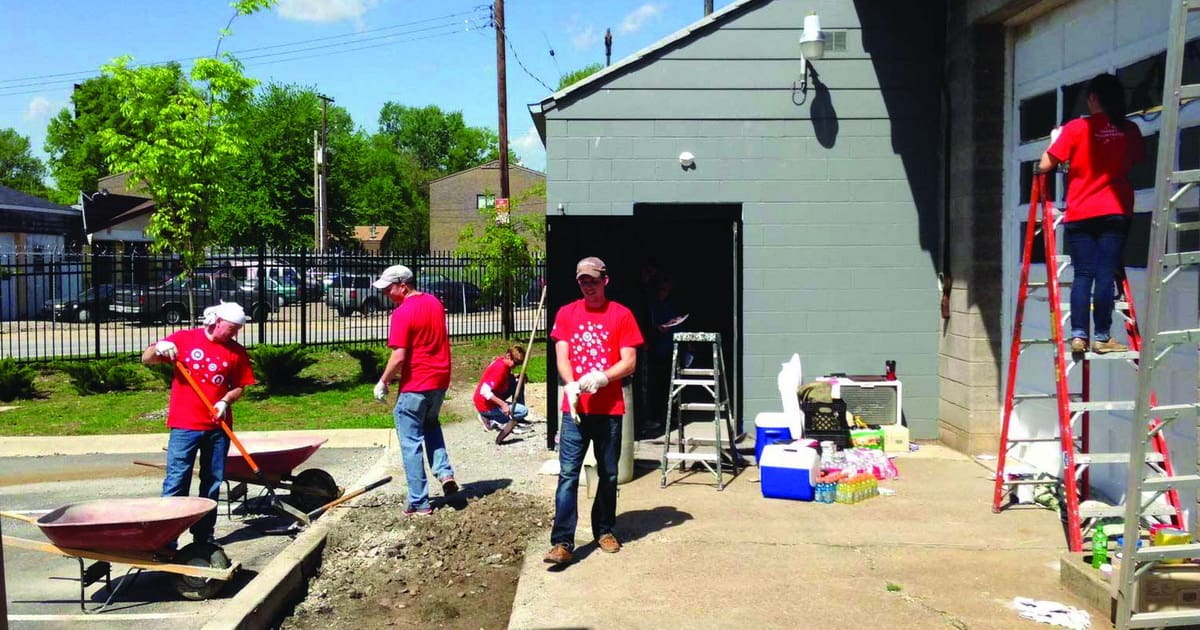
(488, 425)
(449, 486)
(411, 511)
(559, 554)
(609, 543)
(1108, 345)
(1078, 344)
(522, 429)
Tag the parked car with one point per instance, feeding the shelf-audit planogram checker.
(286, 290)
(92, 304)
(457, 296)
(350, 292)
(169, 302)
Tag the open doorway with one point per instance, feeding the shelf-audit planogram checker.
(696, 246)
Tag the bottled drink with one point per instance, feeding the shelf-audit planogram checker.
(1099, 546)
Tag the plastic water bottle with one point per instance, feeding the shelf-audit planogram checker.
(1099, 546)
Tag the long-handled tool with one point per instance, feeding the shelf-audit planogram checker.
(276, 504)
(529, 346)
(340, 500)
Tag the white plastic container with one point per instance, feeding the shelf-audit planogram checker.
(789, 471)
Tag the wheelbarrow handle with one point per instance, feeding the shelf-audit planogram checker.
(20, 517)
(191, 380)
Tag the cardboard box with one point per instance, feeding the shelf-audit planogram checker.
(895, 439)
(1170, 587)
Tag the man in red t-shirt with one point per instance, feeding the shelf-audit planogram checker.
(222, 368)
(595, 340)
(495, 386)
(420, 364)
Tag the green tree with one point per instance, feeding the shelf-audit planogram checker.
(19, 167)
(578, 75)
(384, 187)
(504, 248)
(440, 141)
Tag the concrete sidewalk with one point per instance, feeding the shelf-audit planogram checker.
(151, 442)
(932, 555)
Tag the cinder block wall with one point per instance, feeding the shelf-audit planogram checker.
(969, 370)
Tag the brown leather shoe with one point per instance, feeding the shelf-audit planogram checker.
(609, 543)
(505, 431)
(559, 554)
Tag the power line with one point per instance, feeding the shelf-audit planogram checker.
(446, 28)
(508, 41)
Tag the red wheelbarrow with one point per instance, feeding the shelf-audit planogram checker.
(277, 458)
(134, 532)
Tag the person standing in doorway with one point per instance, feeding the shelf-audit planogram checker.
(595, 342)
(1101, 148)
(420, 364)
(221, 367)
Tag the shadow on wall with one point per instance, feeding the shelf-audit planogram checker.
(824, 116)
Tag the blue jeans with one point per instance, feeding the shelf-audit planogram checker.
(1096, 249)
(518, 411)
(182, 445)
(416, 416)
(604, 432)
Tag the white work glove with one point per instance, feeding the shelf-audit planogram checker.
(1054, 133)
(166, 349)
(593, 381)
(220, 407)
(381, 391)
(572, 391)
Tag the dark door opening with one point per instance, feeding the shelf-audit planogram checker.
(696, 246)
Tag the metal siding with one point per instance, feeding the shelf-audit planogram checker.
(833, 263)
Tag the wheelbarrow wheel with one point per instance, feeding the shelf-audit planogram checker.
(200, 554)
(313, 488)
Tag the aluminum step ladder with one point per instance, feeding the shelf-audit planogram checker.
(1163, 268)
(1074, 409)
(709, 452)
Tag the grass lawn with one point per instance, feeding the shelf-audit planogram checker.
(330, 394)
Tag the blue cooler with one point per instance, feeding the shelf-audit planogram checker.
(789, 471)
(769, 428)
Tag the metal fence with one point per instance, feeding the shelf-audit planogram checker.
(60, 304)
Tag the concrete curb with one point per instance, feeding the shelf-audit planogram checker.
(283, 581)
(40, 446)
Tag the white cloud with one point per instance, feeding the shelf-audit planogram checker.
(638, 18)
(584, 39)
(39, 108)
(324, 10)
(529, 148)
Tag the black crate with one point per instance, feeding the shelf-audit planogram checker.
(826, 421)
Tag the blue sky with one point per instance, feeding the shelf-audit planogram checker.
(361, 53)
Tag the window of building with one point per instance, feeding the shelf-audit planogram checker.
(1037, 115)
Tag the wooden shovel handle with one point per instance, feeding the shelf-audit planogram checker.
(191, 380)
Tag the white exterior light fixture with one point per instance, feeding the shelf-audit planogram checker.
(812, 46)
(686, 159)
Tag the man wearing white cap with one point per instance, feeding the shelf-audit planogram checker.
(420, 364)
(221, 367)
(595, 343)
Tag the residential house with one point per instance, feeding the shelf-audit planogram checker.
(35, 235)
(456, 199)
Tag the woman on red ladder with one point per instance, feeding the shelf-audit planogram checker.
(1101, 148)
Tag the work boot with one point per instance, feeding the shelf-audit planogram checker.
(609, 543)
(505, 431)
(1108, 345)
(449, 486)
(1078, 345)
(559, 554)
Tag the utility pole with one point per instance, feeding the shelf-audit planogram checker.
(506, 310)
(316, 190)
(323, 242)
(707, 7)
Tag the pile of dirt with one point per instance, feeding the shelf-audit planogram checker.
(457, 568)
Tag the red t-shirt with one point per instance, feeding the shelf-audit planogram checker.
(497, 376)
(595, 339)
(1101, 155)
(419, 326)
(217, 367)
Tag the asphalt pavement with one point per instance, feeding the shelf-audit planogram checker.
(44, 589)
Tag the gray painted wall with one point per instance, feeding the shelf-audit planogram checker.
(841, 195)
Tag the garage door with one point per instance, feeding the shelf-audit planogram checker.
(1052, 59)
